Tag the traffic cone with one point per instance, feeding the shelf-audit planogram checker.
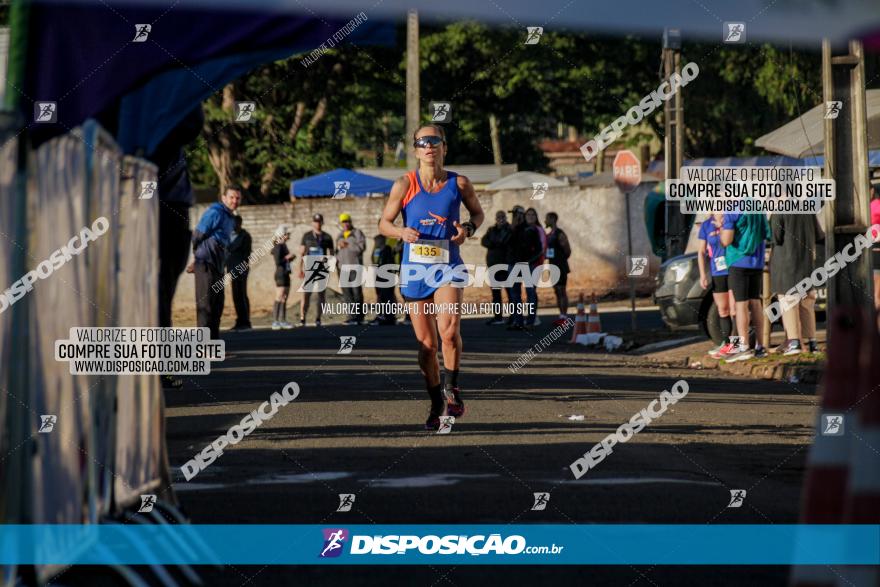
(580, 321)
(593, 324)
(827, 479)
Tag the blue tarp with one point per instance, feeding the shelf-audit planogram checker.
(82, 56)
(327, 184)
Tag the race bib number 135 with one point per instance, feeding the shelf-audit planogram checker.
(429, 251)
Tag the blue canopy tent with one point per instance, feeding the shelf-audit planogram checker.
(327, 184)
(188, 55)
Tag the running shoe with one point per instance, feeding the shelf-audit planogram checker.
(813, 346)
(760, 352)
(350, 323)
(494, 321)
(716, 350)
(318, 323)
(792, 348)
(276, 325)
(302, 322)
(286, 325)
(739, 353)
(454, 403)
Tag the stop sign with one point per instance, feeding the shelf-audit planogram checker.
(627, 170)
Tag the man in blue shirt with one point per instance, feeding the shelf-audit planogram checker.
(209, 241)
(744, 236)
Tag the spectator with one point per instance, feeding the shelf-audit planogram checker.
(792, 258)
(744, 237)
(209, 241)
(875, 251)
(533, 225)
(237, 264)
(383, 254)
(525, 247)
(711, 248)
(283, 257)
(558, 252)
(497, 240)
(314, 242)
(350, 247)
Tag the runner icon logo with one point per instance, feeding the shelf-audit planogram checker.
(346, 345)
(446, 423)
(832, 109)
(45, 112)
(533, 34)
(737, 496)
(333, 541)
(244, 111)
(317, 273)
(734, 32)
(541, 501)
(340, 189)
(141, 32)
(148, 190)
(637, 266)
(47, 423)
(539, 188)
(832, 424)
(441, 112)
(346, 500)
(147, 503)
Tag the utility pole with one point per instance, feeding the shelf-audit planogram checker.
(673, 142)
(496, 139)
(846, 162)
(412, 84)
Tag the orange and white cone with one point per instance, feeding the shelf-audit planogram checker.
(580, 321)
(593, 323)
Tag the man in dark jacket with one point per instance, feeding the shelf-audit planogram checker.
(209, 242)
(558, 252)
(237, 265)
(525, 248)
(792, 258)
(497, 241)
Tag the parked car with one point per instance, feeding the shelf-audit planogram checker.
(684, 303)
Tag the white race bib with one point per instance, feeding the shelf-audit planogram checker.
(429, 251)
(551, 253)
(720, 263)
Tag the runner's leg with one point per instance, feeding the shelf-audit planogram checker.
(449, 325)
(425, 328)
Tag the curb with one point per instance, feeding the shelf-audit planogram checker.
(769, 368)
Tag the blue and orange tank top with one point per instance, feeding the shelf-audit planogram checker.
(433, 215)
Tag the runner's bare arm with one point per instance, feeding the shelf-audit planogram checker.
(392, 210)
(470, 201)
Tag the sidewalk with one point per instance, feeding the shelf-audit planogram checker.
(803, 368)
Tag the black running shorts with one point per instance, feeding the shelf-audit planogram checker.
(745, 283)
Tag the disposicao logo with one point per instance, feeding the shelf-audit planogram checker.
(334, 538)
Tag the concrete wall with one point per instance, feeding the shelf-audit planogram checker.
(593, 217)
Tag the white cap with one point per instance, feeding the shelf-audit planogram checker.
(282, 230)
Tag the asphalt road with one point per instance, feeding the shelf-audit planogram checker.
(356, 428)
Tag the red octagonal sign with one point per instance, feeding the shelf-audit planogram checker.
(627, 171)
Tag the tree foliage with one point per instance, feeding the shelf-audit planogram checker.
(348, 107)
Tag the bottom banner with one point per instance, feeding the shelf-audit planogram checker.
(604, 544)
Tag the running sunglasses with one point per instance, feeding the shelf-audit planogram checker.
(428, 141)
